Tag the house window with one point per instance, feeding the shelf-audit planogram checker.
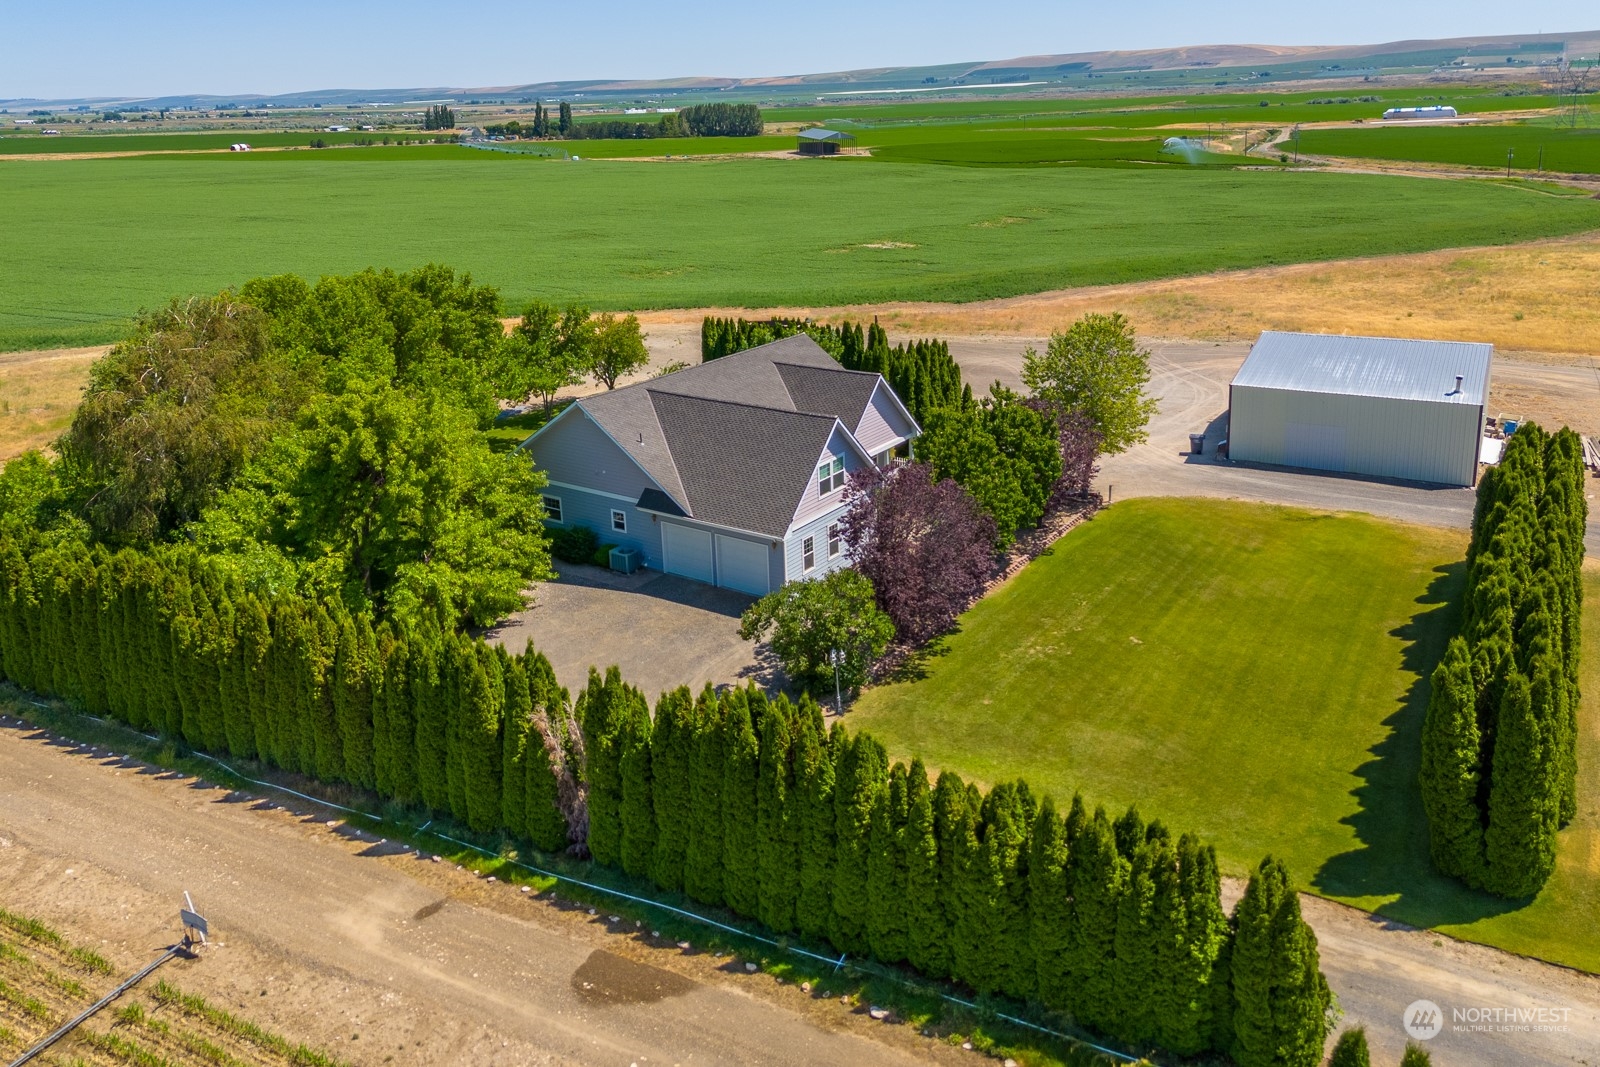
(619, 521)
(552, 508)
(830, 476)
(809, 548)
(834, 542)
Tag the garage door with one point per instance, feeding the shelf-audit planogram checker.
(686, 551)
(742, 565)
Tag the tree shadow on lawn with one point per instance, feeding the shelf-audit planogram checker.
(1393, 861)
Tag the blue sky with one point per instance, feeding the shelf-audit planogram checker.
(69, 48)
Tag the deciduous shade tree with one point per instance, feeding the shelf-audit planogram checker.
(617, 348)
(1097, 367)
(926, 545)
(810, 619)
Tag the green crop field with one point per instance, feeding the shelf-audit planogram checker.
(1571, 151)
(1254, 674)
(34, 143)
(1099, 148)
(89, 242)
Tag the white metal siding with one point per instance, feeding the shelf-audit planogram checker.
(687, 551)
(742, 565)
(1377, 436)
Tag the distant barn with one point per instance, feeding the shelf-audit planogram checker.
(1437, 111)
(820, 142)
(1378, 406)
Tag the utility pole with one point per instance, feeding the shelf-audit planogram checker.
(1541, 159)
(838, 694)
(1509, 152)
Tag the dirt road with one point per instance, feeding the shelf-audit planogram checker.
(333, 938)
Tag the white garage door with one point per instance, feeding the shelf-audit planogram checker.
(742, 565)
(686, 551)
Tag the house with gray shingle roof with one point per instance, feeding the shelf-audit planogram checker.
(731, 472)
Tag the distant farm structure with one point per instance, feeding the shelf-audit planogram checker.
(820, 142)
(1435, 111)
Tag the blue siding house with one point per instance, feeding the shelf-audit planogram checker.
(731, 472)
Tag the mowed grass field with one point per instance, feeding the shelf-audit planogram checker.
(1255, 674)
(156, 141)
(90, 242)
(1563, 150)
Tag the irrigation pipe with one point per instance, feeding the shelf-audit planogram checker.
(684, 913)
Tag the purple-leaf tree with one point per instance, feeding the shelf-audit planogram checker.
(1080, 447)
(927, 546)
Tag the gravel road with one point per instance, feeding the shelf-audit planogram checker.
(322, 934)
(1190, 380)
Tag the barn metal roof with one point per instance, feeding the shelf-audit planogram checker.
(825, 135)
(1369, 366)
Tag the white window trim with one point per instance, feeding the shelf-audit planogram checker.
(830, 476)
(835, 539)
(616, 516)
(808, 555)
(561, 508)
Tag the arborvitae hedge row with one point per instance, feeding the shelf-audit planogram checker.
(922, 373)
(732, 798)
(1499, 745)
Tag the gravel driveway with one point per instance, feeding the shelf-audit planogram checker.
(661, 630)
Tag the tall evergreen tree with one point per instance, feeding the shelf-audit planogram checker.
(860, 773)
(1351, 1049)
(1050, 907)
(1281, 1000)
(1099, 878)
(672, 746)
(638, 815)
(550, 787)
(926, 934)
(599, 711)
(741, 872)
(516, 723)
(352, 698)
(702, 862)
(1519, 842)
(887, 927)
(480, 745)
(1450, 763)
(813, 762)
(950, 818)
(778, 821)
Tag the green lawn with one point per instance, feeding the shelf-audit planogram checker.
(1571, 151)
(1255, 674)
(89, 242)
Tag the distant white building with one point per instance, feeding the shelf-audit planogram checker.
(636, 111)
(336, 129)
(1437, 111)
(26, 122)
(240, 147)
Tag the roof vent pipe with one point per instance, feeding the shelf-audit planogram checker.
(1458, 386)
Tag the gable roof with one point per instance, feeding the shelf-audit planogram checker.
(1396, 368)
(734, 441)
(741, 465)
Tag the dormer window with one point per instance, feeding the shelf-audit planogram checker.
(830, 476)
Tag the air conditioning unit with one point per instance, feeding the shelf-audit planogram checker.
(625, 560)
